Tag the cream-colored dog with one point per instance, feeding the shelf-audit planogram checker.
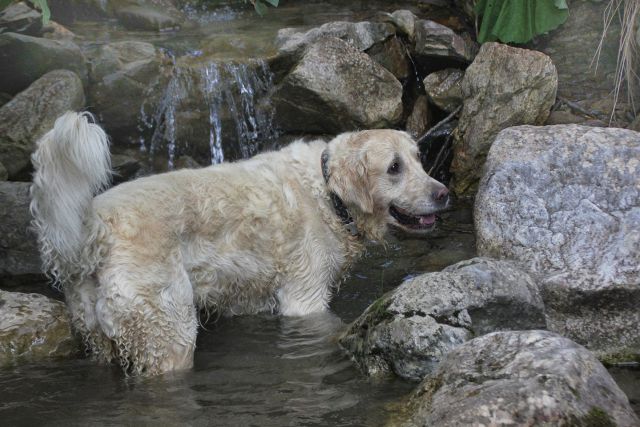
(273, 233)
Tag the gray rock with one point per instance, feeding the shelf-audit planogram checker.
(146, 18)
(392, 55)
(505, 86)
(56, 31)
(565, 201)
(125, 77)
(33, 327)
(361, 35)
(20, 18)
(4, 175)
(68, 11)
(635, 125)
(335, 87)
(31, 113)
(519, 378)
(24, 59)
(409, 330)
(19, 254)
(420, 118)
(405, 22)
(433, 40)
(444, 88)
(124, 167)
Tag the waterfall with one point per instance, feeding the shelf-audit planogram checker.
(221, 106)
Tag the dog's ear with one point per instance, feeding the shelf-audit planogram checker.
(348, 178)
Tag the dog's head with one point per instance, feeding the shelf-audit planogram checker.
(379, 177)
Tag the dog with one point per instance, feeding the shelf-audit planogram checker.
(269, 234)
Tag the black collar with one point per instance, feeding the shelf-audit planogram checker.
(338, 205)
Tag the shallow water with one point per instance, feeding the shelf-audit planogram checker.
(249, 371)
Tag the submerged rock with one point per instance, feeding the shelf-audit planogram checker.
(433, 40)
(444, 88)
(31, 113)
(565, 201)
(505, 86)
(519, 378)
(409, 330)
(33, 327)
(24, 59)
(334, 88)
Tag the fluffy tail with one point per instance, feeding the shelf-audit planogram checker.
(72, 164)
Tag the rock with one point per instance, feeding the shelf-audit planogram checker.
(334, 88)
(392, 55)
(572, 46)
(420, 118)
(19, 254)
(32, 328)
(24, 59)
(565, 201)
(505, 86)
(4, 175)
(361, 35)
(31, 113)
(437, 41)
(409, 330)
(405, 22)
(124, 167)
(444, 88)
(20, 18)
(523, 378)
(125, 77)
(56, 31)
(146, 18)
(68, 11)
(563, 118)
(635, 125)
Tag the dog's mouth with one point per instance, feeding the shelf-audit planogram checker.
(411, 221)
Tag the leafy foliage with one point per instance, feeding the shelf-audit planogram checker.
(261, 5)
(519, 21)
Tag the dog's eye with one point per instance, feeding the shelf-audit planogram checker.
(394, 169)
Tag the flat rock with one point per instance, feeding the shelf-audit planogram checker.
(565, 201)
(24, 59)
(409, 330)
(519, 378)
(334, 88)
(31, 113)
(433, 40)
(505, 86)
(444, 88)
(32, 328)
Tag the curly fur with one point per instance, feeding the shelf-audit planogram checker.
(139, 261)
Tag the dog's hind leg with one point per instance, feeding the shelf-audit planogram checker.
(148, 312)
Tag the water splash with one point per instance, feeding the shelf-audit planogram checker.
(232, 97)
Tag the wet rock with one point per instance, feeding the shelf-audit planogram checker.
(146, 18)
(361, 35)
(24, 59)
(405, 22)
(392, 55)
(31, 113)
(565, 201)
(19, 254)
(68, 11)
(420, 118)
(409, 330)
(126, 76)
(433, 40)
(519, 378)
(444, 88)
(331, 90)
(505, 86)
(56, 31)
(20, 18)
(33, 327)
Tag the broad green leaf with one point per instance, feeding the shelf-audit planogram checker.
(273, 3)
(561, 4)
(260, 7)
(44, 8)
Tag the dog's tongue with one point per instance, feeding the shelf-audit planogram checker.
(427, 219)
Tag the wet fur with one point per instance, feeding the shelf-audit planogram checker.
(139, 261)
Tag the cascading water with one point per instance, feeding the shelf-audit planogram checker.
(230, 99)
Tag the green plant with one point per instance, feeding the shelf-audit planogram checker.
(39, 4)
(261, 5)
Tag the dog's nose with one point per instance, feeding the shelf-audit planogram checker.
(441, 195)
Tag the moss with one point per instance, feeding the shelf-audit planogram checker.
(597, 417)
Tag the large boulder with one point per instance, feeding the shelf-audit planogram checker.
(565, 201)
(33, 327)
(334, 88)
(409, 330)
(505, 86)
(19, 254)
(24, 59)
(519, 378)
(31, 113)
(126, 76)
